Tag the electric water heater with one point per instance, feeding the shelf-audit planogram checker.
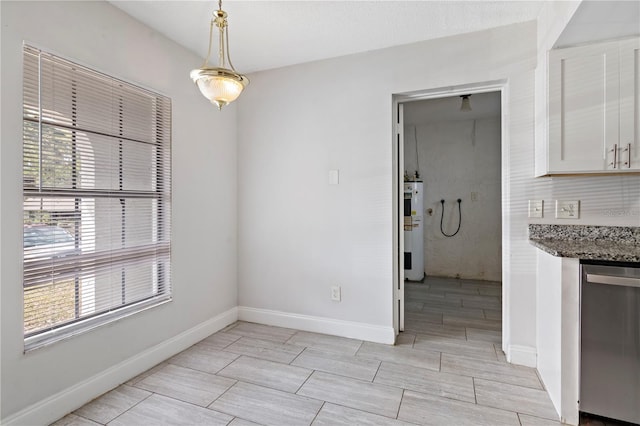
(413, 231)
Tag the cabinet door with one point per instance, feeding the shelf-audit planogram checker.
(583, 108)
(630, 105)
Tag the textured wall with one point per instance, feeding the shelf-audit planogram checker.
(460, 159)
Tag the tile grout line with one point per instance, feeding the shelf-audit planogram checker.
(511, 384)
(128, 409)
(266, 386)
(187, 402)
(496, 351)
(400, 404)
(297, 356)
(304, 382)
(219, 396)
(240, 336)
(475, 397)
(218, 410)
(359, 409)
(357, 350)
(377, 370)
(91, 420)
(318, 413)
(516, 412)
(254, 356)
(291, 337)
(200, 371)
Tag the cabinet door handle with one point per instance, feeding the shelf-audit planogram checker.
(615, 156)
(628, 162)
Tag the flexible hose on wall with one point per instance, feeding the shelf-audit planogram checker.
(459, 218)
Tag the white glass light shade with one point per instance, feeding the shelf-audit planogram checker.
(221, 86)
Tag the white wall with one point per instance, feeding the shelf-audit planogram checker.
(454, 163)
(298, 235)
(204, 208)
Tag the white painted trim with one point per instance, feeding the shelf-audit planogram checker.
(354, 330)
(56, 406)
(502, 86)
(522, 355)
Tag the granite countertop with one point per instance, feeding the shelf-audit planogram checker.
(613, 243)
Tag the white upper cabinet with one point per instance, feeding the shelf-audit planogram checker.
(594, 109)
(629, 140)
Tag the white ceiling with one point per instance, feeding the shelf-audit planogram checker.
(267, 34)
(271, 34)
(601, 20)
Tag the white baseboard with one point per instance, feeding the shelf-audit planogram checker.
(56, 406)
(522, 355)
(335, 327)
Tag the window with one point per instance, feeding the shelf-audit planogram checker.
(97, 198)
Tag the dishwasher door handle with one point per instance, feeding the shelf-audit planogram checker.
(613, 280)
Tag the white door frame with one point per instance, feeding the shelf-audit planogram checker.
(398, 166)
(398, 214)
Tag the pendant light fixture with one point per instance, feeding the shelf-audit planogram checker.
(465, 105)
(221, 85)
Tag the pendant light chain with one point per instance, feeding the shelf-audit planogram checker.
(206, 61)
(221, 45)
(226, 38)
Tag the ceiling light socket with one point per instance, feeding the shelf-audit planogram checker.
(465, 105)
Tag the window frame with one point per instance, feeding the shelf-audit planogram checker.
(157, 253)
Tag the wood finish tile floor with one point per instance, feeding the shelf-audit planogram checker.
(447, 369)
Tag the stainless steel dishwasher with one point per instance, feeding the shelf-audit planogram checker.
(610, 340)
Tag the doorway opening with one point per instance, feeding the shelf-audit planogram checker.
(448, 144)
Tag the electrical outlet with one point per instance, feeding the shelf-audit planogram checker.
(536, 208)
(336, 293)
(567, 209)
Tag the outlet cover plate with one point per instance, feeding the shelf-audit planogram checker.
(536, 208)
(567, 209)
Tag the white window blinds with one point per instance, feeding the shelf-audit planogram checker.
(97, 198)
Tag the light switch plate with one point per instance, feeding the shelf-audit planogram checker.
(336, 293)
(567, 209)
(536, 208)
(334, 177)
